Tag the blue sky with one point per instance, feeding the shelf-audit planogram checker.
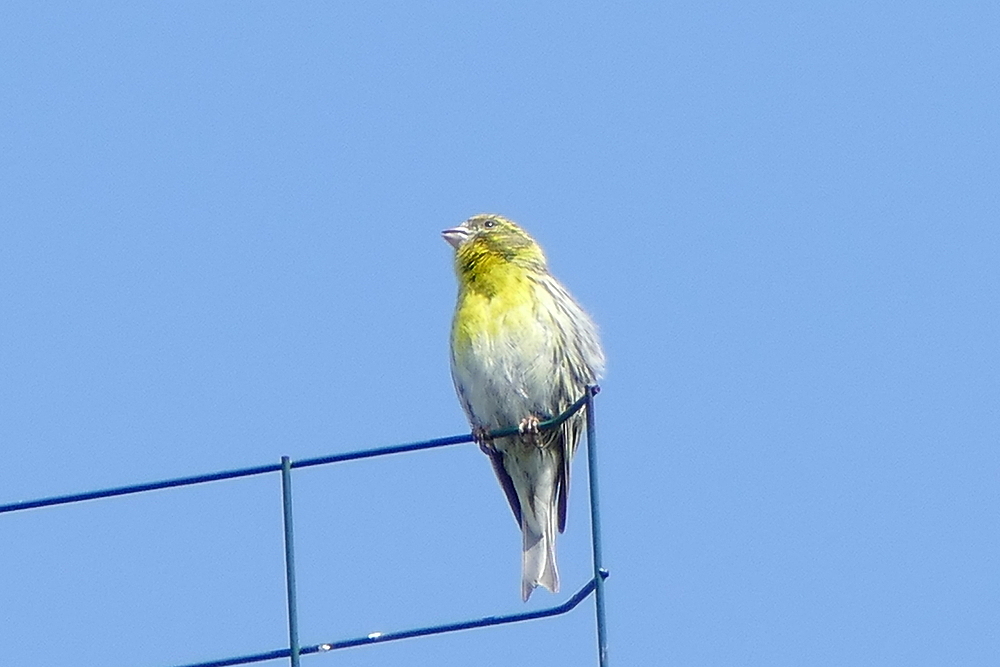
(219, 244)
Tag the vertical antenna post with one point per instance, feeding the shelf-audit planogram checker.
(595, 526)
(293, 614)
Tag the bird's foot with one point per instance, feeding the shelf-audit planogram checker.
(528, 428)
(482, 438)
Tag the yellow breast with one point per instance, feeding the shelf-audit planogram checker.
(496, 304)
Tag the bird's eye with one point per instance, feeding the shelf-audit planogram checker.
(490, 224)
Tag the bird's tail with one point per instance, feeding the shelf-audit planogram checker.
(538, 556)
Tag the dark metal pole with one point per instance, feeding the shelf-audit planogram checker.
(275, 467)
(378, 638)
(595, 528)
(293, 614)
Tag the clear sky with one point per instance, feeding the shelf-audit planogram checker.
(219, 244)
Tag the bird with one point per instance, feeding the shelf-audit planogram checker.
(522, 351)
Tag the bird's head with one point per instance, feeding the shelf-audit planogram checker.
(487, 242)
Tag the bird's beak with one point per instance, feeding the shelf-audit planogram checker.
(456, 236)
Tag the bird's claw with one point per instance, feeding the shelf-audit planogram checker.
(528, 426)
(529, 429)
(482, 438)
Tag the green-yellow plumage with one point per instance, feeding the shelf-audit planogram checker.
(522, 350)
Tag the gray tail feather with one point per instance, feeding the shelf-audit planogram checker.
(538, 556)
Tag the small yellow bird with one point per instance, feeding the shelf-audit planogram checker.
(522, 351)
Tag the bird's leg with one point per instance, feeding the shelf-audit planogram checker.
(482, 438)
